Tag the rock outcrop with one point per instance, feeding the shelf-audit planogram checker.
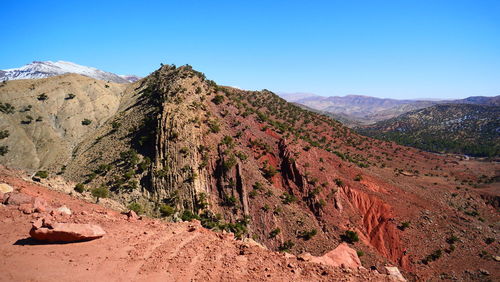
(343, 256)
(45, 230)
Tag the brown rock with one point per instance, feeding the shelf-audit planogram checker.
(132, 216)
(17, 199)
(343, 255)
(65, 232)
(393, 272)
(40, 205)
(26, 208)
(5, 188)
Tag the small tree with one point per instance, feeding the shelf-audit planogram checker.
(101, 192)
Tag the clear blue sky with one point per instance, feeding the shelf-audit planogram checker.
(397, 49)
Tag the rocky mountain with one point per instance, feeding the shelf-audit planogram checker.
(47, 69)
(178, 146)
(357, 109)
(450, 128)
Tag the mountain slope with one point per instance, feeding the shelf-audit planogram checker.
(180, 146)
(46, 121)
(141, 250)
(453, 128)
(368, 110)
(47, 69)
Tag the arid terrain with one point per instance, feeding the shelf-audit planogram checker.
(141, 249)
(179, 147)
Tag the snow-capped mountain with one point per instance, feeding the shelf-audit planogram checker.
(46, 69)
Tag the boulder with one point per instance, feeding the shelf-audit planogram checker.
(64, 210)
(17, 199)
(46, 231)
(132, 216)
(39, 205)
(5, 188)
(26, 208)
(343, 256)
(394, 273)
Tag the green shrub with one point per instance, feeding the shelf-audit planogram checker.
(218, 99)
(6, 108)
(229, 163)
(274, 233)
(86, 122)
(115, 125)
(214, 126)
(189, 215)
(4, 150)
(4, 134)
(452, 239)
(42, 174)
(350, 237)
(360, 253)
(70, 96)
(404, 225)
(358, 177)
(489, 240)
(42, 97)
(269, 171)
(286, 246)
(433, 256)
(80, 188)
(307, 235)
(288, 198)
(136, 207)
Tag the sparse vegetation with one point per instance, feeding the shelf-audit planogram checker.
(7, 108)
(4, 134)
(288, 198)
(218, 99)
(136, 207)
(100, 192)
(86, 122)
(42, 174)
(4, 150)
(286, 246)
(80, 188)
(42, 97)
(433, 256)
(350, 237)
(308, 235)
(166, 210)
(274, 233)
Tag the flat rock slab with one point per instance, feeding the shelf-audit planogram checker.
(6, 188)
(65, 232)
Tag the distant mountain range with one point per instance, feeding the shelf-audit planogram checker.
(357, 109)
(46, 69)
(448, 128)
